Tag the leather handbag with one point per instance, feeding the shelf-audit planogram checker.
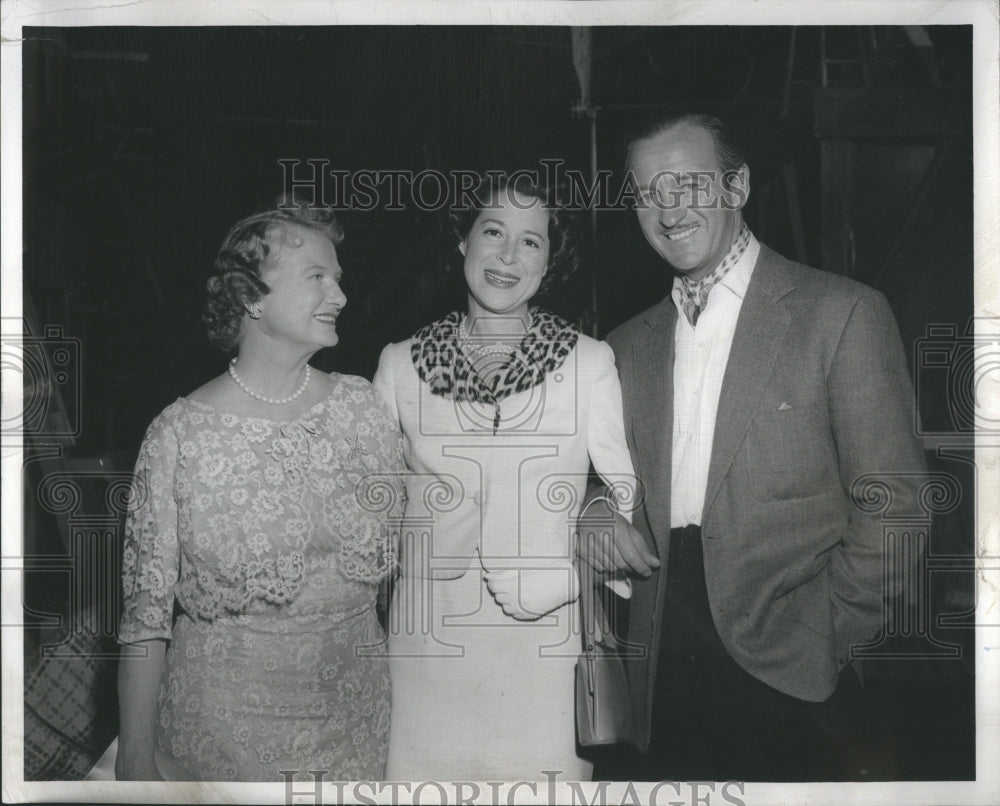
(603, 701)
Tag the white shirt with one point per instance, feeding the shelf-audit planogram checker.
(700, 357)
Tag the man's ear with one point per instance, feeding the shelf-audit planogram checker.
(737, 185)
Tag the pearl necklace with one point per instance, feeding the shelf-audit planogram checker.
(272, 401)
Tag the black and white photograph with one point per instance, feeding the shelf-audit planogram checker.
(527, 402)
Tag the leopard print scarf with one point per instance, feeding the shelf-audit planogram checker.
(443, 365)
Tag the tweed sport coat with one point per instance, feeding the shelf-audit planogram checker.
(815, 395)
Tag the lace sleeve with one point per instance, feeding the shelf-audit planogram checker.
(373, 553)
(384, 382)
(391, 456)
(150, 556)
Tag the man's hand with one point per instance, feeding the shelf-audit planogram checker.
(609, 543)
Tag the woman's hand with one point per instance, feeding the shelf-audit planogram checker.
(528, 594)
(136, 765)
(139, 671)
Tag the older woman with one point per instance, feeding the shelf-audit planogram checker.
(257, 537)
(503, 407)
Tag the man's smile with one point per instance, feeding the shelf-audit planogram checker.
(681, 234)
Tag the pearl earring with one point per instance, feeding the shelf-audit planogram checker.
(255, 309)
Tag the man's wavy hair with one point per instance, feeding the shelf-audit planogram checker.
(728, 152)
(235, 281)
(564, 241)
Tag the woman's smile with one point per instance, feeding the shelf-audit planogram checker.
(501, 279)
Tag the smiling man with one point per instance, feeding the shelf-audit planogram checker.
(755, 396)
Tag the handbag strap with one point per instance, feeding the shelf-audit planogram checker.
(596, 628)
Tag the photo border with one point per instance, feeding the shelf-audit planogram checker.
(981, 14)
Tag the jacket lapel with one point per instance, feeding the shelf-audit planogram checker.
(653, 422)
(759, 332)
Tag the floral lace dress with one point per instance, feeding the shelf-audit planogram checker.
(271, 538)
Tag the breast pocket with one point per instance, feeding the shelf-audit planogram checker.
(790, 454)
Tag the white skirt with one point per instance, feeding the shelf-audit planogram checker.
(476, 694)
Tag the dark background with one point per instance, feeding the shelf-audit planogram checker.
(143, 145)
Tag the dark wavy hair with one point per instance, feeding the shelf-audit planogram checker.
(564, 239)
(235, 280)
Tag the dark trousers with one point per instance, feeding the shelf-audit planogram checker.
(712, 720)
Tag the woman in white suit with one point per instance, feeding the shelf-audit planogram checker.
(503, 409)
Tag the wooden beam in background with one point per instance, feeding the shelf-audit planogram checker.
(836, 235)
(889, 113)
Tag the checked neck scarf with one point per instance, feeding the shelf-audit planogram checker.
(694, 295)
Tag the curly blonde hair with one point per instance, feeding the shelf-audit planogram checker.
(235, 281)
